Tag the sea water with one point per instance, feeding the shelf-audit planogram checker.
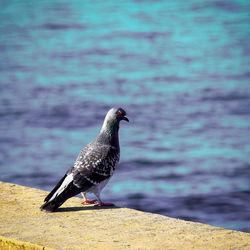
(181, 70)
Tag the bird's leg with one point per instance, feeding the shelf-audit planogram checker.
(100, 203)
(85, 201)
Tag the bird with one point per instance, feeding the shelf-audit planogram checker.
(93, 167)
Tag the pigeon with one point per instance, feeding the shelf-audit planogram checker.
(93, 167)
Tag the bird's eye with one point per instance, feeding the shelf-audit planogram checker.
(119, 112)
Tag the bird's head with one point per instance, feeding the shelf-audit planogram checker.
(118, 114)
(113, 118)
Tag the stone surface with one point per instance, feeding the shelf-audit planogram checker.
(78, 227)
(12, 244)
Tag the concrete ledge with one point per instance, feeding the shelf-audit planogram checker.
(6, 243)
(77, 227)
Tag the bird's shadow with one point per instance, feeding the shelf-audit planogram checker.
(83, 208)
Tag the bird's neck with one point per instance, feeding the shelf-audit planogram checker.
(109, 133)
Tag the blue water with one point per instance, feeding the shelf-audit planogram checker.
(181, 70)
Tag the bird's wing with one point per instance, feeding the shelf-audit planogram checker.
(94, 165)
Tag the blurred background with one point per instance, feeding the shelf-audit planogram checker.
(181, 70)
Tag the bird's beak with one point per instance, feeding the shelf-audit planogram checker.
(125, 118)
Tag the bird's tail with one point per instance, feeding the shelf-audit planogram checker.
(59, 196)
(51, 206)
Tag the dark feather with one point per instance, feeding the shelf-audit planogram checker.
(55, 188)
(70, 191)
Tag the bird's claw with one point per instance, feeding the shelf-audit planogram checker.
(87, 202)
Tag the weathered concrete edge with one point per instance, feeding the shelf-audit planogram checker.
(21, 204)
(6, 243)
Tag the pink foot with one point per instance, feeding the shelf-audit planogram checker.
(102, 204)
(89, 202)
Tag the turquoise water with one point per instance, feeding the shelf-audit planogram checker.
(180, 69)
